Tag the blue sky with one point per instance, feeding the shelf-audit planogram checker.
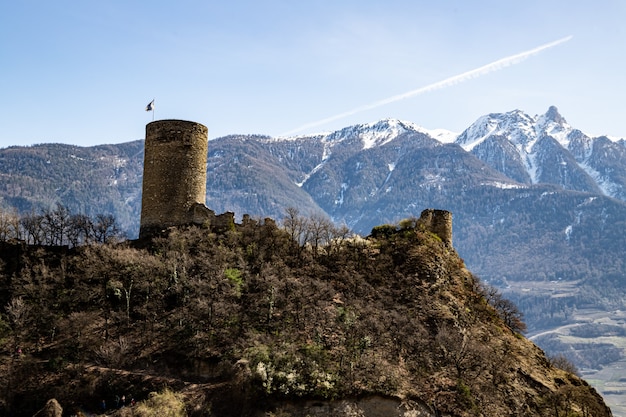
(82, 72)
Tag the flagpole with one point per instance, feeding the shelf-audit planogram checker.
(150, 107)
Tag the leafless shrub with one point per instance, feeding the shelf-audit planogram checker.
(560, 361)
(113, 353)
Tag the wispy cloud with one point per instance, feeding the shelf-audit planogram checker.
(448, 82)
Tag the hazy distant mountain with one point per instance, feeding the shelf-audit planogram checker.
(100, 179)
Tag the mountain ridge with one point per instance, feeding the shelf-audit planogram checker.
(556, 246)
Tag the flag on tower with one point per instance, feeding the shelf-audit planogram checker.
(150, 106)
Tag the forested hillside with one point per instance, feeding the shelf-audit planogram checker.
(102, 179)
(265, 319)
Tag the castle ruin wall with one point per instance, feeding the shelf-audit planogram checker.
(438, 222)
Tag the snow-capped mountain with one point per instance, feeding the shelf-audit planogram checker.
(361, 164)
(546, 149)
(533, 198)
(356, 173)
(375, 134)
(382, 132)
(527, 150)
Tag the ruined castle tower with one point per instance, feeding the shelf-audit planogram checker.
(174, 174)
(438, 222)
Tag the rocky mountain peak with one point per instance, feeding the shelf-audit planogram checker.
(518, 128)
(553, 124)
(553, 115)
(516, 125)
(378, 133)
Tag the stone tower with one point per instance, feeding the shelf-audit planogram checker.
(174, 174)
(438, 222)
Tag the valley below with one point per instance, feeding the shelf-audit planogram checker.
(587, 335)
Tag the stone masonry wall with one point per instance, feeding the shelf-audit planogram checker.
(174, 173)
(438, 222)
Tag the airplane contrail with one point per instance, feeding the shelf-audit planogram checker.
(456, 79)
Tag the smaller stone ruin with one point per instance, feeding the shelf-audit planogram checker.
(438, 222)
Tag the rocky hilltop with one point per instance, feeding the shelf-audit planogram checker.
(260, 319)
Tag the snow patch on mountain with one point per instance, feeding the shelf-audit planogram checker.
(568, 232)
(608, 187)
(476, 134)
(503, 185)
(325, 155)
(516, 126)
(380, 133)
(370, 135)
(530, 162)
(384, 131)
(339, 201)
(442, 135)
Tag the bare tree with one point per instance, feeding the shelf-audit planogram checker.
(561, 362)
(461, 350)
(80, 230)
(320, 231)
(56, 223)
(105, 228)
(9, 225)
(506, 309)
(337, 238)
(296, 225)
(17, 310)
(59, 227)
(34, 231)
